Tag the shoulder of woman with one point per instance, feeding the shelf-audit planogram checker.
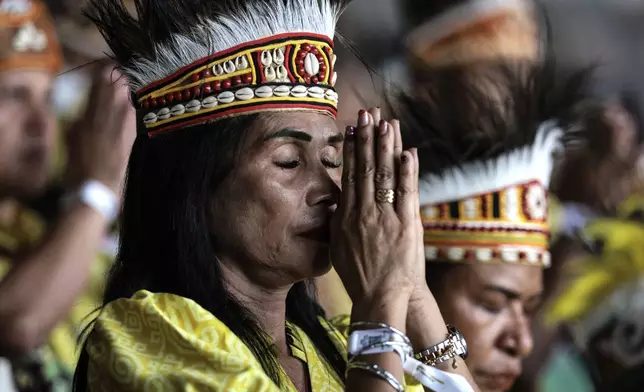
(165, 339)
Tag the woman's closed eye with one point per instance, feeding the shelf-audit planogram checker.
(288, 164)
(332, 163)
(494, 303)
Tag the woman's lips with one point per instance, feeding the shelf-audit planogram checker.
(319, 234)
(496, 382)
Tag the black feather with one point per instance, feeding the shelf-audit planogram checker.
(464, 114)
(156, 21)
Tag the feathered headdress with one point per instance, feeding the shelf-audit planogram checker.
(28, 36)
(191, 62)
(606, 295)
(459, 32)
(486, 161)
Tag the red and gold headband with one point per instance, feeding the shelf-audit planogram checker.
(28, 36)
(293, 71)
(507, 225)
(494, 211)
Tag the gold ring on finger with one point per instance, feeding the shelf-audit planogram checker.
(385, 196)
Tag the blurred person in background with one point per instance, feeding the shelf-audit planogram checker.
(600, 307)
(45, 269)
(591, 180)
(473, 37)
(600, 173)
(484, 181)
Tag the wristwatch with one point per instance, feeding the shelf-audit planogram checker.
(450, 348)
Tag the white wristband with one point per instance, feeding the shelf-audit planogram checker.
(369, 341)
(384, 340)
(99, 197)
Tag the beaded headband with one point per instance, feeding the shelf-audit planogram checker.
(206, 61)
(28, 36)
(493, 211)
(292, 71)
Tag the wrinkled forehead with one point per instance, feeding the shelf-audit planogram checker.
(525, 280)
(317, 127)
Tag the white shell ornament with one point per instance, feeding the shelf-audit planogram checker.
(226, 97)
(278, 56)
(217, 70)
(510, 255)
(334, 78)
(209, 102)
(229, 67)
(299, 91)
(267, 58)
(484, 254)
(150, 118)
(245, 94)
(331, 95)
(282, 91)
(431, 252)
(269, 73)
(456, 254)
(264, 92)
(178, 110)
(193, 106)
(282, 73)
(311, 64)
(316, 92)
(163, 114)
(241, 63)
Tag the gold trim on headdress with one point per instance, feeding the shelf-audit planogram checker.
(293, 71)
(28, 36)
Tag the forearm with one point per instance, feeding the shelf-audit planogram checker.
(41, 288)
(426, 328)
(390, 310)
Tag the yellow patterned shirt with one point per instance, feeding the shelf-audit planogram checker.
(163, 342)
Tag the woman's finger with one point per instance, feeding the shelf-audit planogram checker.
(375, 114)
(419, 220)
(414, 152)
(398, 144)
(365, 160)
(385, 178)
(349, 170)
(406, 193)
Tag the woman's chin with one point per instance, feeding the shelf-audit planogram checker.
(320, 264)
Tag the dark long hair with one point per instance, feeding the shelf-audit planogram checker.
(166, 246)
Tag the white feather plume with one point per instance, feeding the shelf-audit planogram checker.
(260, 19)
(530, 163)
